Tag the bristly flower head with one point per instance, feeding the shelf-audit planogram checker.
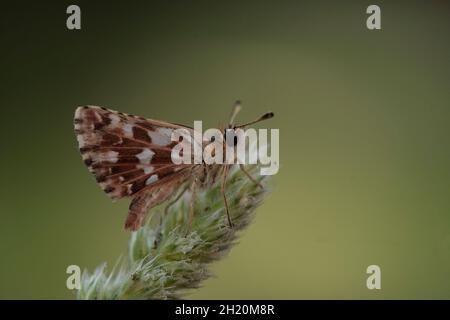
(166, 257)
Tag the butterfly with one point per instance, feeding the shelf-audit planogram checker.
(130, 156)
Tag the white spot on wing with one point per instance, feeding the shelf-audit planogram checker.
(161, 137)
(145, 156)
(115, 119)
(128, 130)
(153, 178)
(111, 156)
(81, 142)
(78, 113)
(129, 188)
(147, 169)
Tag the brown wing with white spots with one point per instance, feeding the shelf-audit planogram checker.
(127, 154)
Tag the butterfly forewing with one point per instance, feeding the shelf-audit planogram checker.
(127, 154)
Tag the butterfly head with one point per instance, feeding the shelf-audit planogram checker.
(236, 108)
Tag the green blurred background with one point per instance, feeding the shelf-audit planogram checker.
(364, 129)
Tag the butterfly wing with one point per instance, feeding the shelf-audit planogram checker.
(143, 201)
(129, 155)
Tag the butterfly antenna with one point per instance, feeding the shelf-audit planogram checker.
(236, 108)
(265, 116)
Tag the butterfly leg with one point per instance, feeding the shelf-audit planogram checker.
(222, 189)
(192, 205)
(241, 166)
